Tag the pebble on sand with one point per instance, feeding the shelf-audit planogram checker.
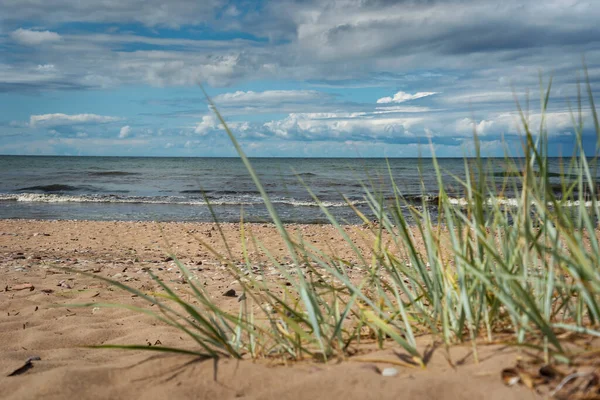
(389, 372)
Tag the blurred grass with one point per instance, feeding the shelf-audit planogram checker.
(525, 273)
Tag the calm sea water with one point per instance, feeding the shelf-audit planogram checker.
(170, 189)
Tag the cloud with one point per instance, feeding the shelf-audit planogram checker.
(465, 126)
(477, 97)
(172, 68)
(52, 120)
(190, 144)
(326, 126)
(269, 97)
(46, 68)
(401, 109)
(148, 12)
(345, 30)
(469, 53)
(124, 132)
(556, 123)
(399, 125)
(342, 126)
(334, 41)
(207, 124)
(34, 38)
(401, 97)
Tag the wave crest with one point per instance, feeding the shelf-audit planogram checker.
(224, 201)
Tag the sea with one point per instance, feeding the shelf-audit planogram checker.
(205, 189)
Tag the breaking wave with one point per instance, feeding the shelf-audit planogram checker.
(245, 200)
(512, 202)
(223, 201)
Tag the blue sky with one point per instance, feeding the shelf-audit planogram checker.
(369, 78)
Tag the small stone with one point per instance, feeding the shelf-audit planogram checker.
(230, 293)
(117, 275)
(389, 372)
(64, 284)
(268, 308)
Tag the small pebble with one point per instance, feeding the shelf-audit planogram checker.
(389, 372)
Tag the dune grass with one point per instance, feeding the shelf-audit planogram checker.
(525, 273)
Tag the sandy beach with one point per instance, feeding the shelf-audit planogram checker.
(33, 285)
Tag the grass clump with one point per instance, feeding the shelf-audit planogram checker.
(483, 269)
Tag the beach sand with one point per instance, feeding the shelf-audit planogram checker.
(32, 284)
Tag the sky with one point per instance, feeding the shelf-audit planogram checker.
(292, 78)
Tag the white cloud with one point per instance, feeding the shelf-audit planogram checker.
(190, 144)
(315, 126)
(401, 109)
(29, 37)
(207, 124)
(465, 126)
(50, 120)
(124, 132)
(46, 68)
(173, 68)
(556, 123)
(490, 96)
(268, 96)
(401, 97)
